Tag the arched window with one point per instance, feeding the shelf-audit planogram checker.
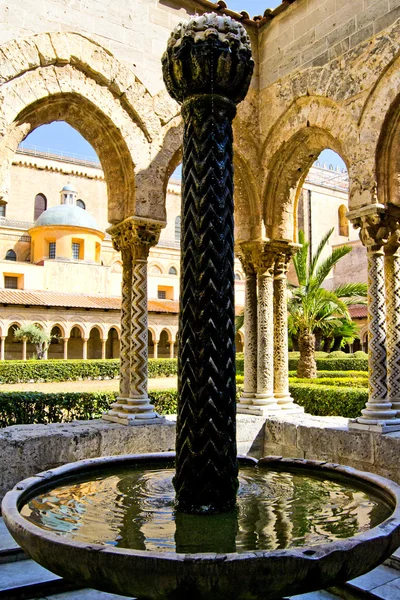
(11, 255)
(238, 277)
(155, 270)
(173, 271)
(178, 229)
(81, 204)
(343, 221)
(40, 205)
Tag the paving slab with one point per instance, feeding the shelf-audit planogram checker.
(389, 591)
(375, 578)
(86, 594)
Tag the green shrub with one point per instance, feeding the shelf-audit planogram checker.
(165, 401)
(358, 382)
(339, 354)
(321, 400)
(335, 364)
(360, 354)
(18, 371)
(162, 367)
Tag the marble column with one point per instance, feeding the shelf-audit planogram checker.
(23, 348)
(392, 279)
(134, 238)
(171, 349)
(155, 350)
(103, 348)
(378, 415)
(84, 348)
(250, 326)
(2, 347)
(265, 400)
(283, 254)
(65, 348)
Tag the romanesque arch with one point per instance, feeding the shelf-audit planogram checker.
(310, 126)
(65, 76)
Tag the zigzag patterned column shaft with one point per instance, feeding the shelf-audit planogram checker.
(206, 465)
(125, 337)
(207, 68)
(134, 237)
(375, 229)
(392, 276)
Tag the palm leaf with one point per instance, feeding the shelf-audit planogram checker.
(300, 260)
(317, 254)
(326, 267)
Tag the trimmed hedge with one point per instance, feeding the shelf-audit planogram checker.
(324, 400)
(358, 382)
(335, 364)
(20, 371)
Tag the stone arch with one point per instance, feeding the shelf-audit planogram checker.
(60, 326)
(100, 329)
(117, 328)
(85, 85)
(379, 131)
(78, 326)
(309, 126)
(155, 268)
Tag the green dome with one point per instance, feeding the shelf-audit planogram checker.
(67, 214)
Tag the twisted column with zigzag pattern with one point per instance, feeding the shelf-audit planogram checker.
(392, 277)
(378, 414)
(207, 68)
(133, 238)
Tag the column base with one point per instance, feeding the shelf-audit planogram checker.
(287, 403)
(132, 420)
(259, 411)
(376, 426)
(132, 411)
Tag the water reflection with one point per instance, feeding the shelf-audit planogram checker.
(135, 509)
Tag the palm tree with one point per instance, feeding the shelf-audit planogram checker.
(313, 308)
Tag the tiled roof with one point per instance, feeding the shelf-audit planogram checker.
(40, 298)
(358, 311)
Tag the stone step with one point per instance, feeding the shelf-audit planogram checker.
(9, 549)
(86, 594)
(382, 583)
(23, 580)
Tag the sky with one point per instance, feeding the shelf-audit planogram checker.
(253, 7)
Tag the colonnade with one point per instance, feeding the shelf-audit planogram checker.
(380, 233)
(134, 237)
(266, 374)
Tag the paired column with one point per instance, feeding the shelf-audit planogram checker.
(392, 278)
(250, 327)
(65, 348)
(266, 374)
(378, 415)
(134, 238)
(283, 254)
(103, 348)
(84, 348)
(3, 347)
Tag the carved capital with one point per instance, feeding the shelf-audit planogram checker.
(284, 251)
(373, 224)
(209, 54)
(134, 237)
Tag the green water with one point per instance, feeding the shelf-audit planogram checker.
(275, 510)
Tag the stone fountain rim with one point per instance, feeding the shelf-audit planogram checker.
(16, 498)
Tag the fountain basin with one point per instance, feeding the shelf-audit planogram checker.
(246, 575)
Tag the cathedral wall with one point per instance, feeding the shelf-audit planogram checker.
(310, 33)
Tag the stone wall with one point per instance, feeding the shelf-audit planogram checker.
(310, 33)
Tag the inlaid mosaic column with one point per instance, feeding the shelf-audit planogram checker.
(282, 395)
(378, 414)
(207, 68)
(392, 276)
(134, 238)
(250, 340)
(265, 399)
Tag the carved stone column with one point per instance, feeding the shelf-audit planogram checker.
(374, 232)
(2, 347)
(134, 237)
(24, 348)
(250, 326)
(84, 348)
(103, 348)
(392, 277)
(207, 68)
(265, 399)
(283, 253)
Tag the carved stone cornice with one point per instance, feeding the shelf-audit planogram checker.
(136, 236)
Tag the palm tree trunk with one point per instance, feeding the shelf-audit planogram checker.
(307, 366)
